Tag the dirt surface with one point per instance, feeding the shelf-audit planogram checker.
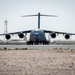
(37, 62)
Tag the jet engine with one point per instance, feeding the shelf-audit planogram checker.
(7, 36)
(67, 36)
(53, 35)
(21, 35)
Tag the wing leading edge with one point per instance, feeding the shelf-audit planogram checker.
(47, 31)
(28, 31)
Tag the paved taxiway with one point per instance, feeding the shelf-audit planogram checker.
(37, 46)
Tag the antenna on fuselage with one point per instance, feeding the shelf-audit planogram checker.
(39, 17)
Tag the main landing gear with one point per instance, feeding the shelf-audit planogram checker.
(38, 43)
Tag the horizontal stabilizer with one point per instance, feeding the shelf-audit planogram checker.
(39, 15)
(49, 15)
(28, 15)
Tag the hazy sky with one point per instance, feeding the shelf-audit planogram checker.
(12, 10)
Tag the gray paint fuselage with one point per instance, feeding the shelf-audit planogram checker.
(39, 35)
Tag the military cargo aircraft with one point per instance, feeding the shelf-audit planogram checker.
(37, 36)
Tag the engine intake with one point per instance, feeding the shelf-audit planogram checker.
(21, 35)
(7, 36)
(53, 35)
(67, 36)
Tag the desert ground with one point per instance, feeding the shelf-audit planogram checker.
(37, 62)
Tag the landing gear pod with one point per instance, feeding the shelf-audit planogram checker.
(21, 35)
(7, 36)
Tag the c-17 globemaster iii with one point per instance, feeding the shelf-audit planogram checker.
(37, 36)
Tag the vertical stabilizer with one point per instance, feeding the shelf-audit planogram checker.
(38, 20)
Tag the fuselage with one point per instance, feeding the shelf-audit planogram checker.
(37, 36)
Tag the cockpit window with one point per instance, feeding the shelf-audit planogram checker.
(36, 32)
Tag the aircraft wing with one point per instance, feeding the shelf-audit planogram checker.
(47, 31)
(28, 31)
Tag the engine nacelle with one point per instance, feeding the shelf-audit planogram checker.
(53, 35)
(21, 35)
(67, 36)
(7, 36)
